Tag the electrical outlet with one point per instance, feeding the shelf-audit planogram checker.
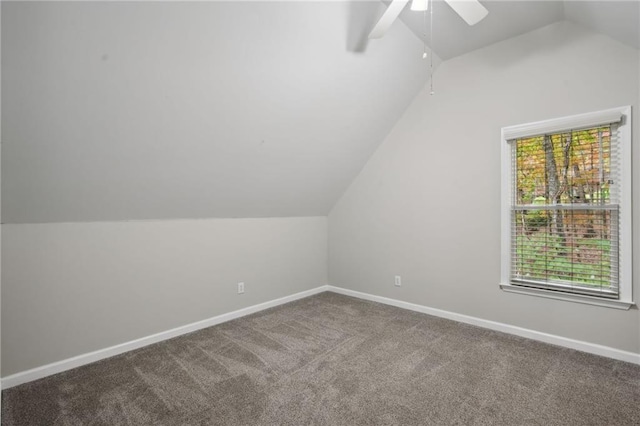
(240, 288)
(398, 281)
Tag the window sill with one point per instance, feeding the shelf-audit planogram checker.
(577, 298)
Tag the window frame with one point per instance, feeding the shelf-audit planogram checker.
(625, 256)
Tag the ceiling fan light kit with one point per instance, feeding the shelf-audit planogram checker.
(419, 5)
(472, 11)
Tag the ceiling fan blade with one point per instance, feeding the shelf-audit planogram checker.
(469, 10)
(388, 17)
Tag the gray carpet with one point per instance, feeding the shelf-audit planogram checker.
(334, 360)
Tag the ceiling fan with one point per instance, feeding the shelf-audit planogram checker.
(469, 10)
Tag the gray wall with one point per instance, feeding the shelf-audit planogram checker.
(127, 131)
(164, 110)
(119, 111)
(69, 288)
(427, 204)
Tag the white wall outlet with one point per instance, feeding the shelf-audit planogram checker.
(240, 288)
(398, 281)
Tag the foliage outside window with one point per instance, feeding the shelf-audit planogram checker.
(564, 222)
(568, 222)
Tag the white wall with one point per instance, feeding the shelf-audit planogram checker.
(427, 204)
(69, 288)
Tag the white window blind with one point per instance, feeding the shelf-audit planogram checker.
(567, 214)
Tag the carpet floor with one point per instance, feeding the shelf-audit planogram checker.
(335, 360)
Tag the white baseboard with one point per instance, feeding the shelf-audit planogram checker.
(80, 360)
(579, 345)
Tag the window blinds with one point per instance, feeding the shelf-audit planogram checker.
(565, 208)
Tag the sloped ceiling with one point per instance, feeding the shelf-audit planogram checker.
(619, 20)
(119, 110)
(140, 110)
(508, 18)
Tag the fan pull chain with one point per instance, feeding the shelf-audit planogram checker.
(424, 53)
(431, 44)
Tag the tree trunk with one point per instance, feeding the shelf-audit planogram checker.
(554, 189)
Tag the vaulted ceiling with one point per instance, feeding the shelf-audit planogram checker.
(156, 110)
(453, 37)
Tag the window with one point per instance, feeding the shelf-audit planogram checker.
(566, 208)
